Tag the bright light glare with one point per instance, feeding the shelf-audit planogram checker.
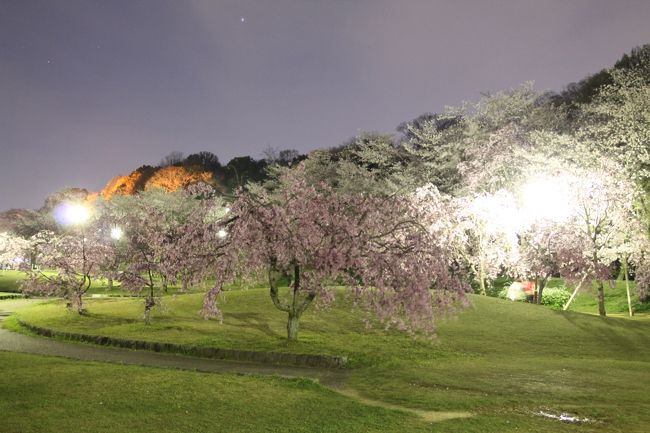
(68, 214)
(547, 198)
(516, 291)
(498, 212)
(116, 233)
(222, 233)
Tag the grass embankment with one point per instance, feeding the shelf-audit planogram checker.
(503, 361)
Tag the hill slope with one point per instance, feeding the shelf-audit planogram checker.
(504, 361)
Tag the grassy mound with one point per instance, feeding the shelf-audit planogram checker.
(504, 361)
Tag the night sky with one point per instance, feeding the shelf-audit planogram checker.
(90, 89)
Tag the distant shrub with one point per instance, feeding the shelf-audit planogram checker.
(555, 297)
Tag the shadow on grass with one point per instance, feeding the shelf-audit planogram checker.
(615, 332)
(253, 320)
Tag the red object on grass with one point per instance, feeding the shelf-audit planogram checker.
(529, 287)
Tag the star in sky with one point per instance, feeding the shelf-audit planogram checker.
(242, 19)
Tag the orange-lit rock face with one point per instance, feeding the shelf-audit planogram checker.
(92, 197)
(122, 185)
(170, 178)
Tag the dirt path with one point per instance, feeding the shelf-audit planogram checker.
(333, 379)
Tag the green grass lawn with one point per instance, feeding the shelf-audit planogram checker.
(501, 360)
(43, 394)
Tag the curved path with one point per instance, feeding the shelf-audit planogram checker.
(333, 379)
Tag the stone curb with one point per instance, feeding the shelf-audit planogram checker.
(293, 359)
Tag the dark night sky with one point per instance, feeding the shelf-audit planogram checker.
(90, 89)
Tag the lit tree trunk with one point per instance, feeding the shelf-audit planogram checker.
(79, 303)
(627, 287)
(540, 285)
(599, 284)
(575, 292)
(163, 280)
(32, 259)
(481, 277)
(601, 298)
(293, 325)
(149, 301)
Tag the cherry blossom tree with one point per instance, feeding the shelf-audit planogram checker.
(319, 238)
(538, 255)
(202, 240)
(69, 262)
(14, 250)
(148, 220)
(580, 219)
(162, 236)
(487, 224)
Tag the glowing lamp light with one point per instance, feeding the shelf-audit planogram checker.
(117, 233)
(547, 198)
(498, 212)
(222, 233)
(69, 214)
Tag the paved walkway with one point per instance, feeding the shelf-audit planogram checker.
(334, 379)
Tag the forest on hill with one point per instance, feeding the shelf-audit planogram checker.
(432, 148)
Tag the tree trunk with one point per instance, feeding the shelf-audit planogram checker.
(293, 325)
(164, 283)
(540, 284)
(627, 287)
(110, 283)
(575, 292)
(481, 277)
(296, 307)
(601, 299)
(184, 284)
(149, 303)
(78, 302)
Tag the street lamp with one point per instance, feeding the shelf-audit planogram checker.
(71, 214)
(547, 198)
(116, 233)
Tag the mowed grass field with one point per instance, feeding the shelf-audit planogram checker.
(503, 361)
